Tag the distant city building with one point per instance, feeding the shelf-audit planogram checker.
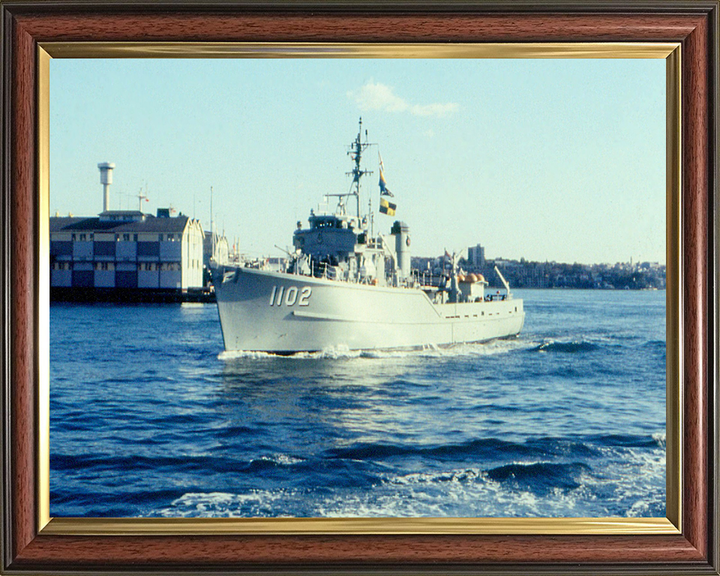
(502, 262)
(125, 254)
(476, 256)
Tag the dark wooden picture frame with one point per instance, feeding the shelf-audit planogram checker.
(26, 548)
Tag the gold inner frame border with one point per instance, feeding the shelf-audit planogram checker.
(671, 524)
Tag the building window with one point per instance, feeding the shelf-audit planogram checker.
(83, 237)
(74, 237)
(135, 237)
(160, 237)
(126, 237)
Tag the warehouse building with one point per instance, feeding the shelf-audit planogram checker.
(126, 255)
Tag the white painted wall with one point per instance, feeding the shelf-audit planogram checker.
(192, 255)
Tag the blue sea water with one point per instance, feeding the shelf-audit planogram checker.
(149, 417)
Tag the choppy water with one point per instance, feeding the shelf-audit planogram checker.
(150, 418)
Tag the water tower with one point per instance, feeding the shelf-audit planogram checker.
(106, 169)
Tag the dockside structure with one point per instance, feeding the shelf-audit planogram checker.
(124, 255)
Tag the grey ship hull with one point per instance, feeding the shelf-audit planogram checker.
(285, 313)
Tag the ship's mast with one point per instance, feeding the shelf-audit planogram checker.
(212, 226)
(356, 150)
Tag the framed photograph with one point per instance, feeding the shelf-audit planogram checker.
(423, 459)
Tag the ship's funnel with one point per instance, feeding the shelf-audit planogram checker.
(401, 231)
(106, 169)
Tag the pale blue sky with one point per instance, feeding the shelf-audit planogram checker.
(543, 159)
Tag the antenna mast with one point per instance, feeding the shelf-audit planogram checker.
(141, 196)
(356, 150)
(212, 228)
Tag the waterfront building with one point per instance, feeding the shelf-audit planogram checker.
(125, 251)
(125, 254)
(216, 248)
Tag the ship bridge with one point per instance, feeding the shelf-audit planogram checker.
(329, 236)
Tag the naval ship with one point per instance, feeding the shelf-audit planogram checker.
(347, 288)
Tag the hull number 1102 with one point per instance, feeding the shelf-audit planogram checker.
(289, 297)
